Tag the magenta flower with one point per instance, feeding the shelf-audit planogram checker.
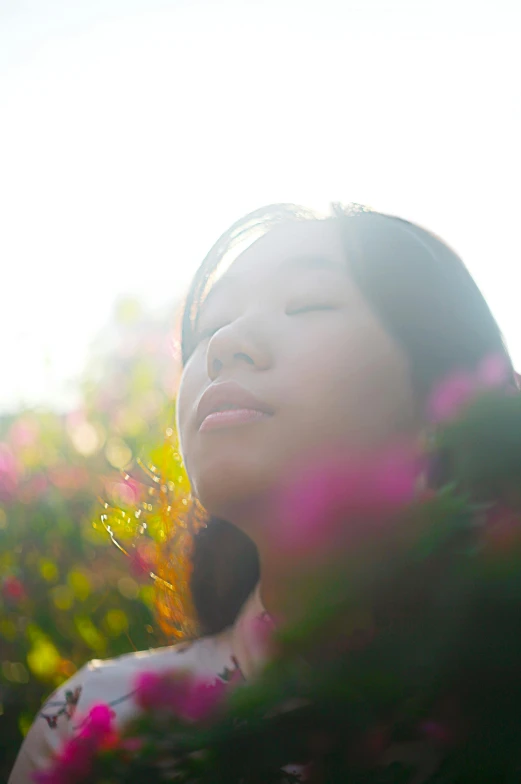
(451, 396)
(74, 763)
(24, 433)
(493, 372)
(455, 392)
(150, 691)
(126, 492)
(191, 698)
(9, 473)
(99, 722)
(338, 498)
(13, 589)
(142, 559)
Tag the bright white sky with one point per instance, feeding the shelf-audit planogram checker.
(132, 132)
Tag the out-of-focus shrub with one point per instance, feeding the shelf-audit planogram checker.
(67, 594)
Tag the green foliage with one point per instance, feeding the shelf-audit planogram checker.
(436, 668)
(66, 593)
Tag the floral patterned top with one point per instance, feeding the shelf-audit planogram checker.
(232, 656)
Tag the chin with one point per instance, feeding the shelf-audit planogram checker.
(229, 483)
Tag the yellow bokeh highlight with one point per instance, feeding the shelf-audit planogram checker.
(116, 622)
(86, 438)
(80, 584)
(118, 453)
(15, 672)
(49, 570)
(128, 587)
(89, 634)
(63, 597)
(43, 659)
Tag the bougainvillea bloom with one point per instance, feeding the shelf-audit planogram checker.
(330, 500)
(455, 392)
(142, 559)
(74, 763)
(189, 697)
(13, 589)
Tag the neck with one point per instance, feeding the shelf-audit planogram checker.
(277, 572)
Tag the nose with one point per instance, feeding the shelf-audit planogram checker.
(237, 344)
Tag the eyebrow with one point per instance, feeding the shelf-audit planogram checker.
(308, 261)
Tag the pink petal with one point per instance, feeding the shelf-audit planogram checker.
(451, 396)
(493, 371)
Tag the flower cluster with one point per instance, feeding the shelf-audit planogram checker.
(403, 664)
(188, 698)
(75, 761)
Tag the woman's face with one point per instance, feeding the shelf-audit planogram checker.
(290, 360)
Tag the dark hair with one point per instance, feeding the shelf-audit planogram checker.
(425, 298)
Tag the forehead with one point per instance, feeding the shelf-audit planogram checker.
(287, 249)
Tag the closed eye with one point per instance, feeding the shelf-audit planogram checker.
(311, 307)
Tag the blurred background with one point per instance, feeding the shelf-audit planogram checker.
(132, 132)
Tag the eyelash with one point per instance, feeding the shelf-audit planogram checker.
(207, 334)
(308, 309)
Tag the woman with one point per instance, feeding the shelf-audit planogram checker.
(322, 332)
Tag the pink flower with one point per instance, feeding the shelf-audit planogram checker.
(99, 722)
(451, 396)
(337, 498)
(192, 699)
(455, 392)
(142, 559)
(150, 690)
(493, 372)
(126, 492)
(74, 763)
(24, 433)
(13, 589)
(9, 473)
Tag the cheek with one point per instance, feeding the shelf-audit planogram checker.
(353, 387)
(191, 386)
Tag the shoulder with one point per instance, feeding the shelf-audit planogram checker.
(113, 682)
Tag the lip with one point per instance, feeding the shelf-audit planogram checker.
(241, 406)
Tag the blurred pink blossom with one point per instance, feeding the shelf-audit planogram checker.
(74, 762)
(13, 589)
(191, 698)
(338, 498)
(143, 559)
(455, 392)
(24, 432)
(493, 372)
(126, 492)
(9, 473)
